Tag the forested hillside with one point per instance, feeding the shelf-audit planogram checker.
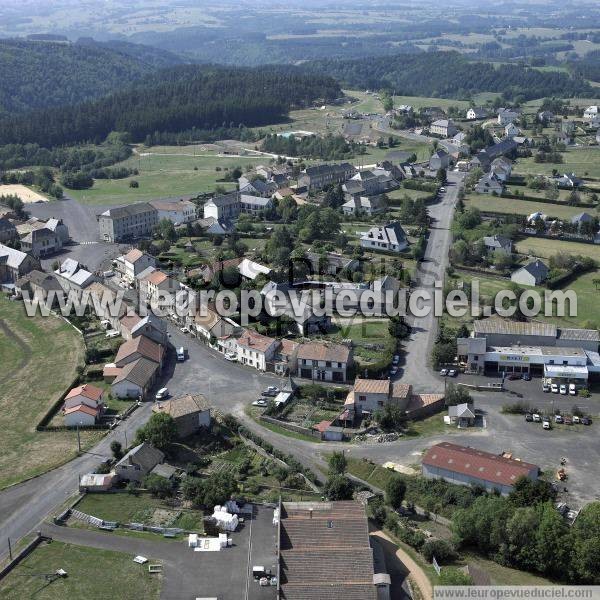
(175, 100)
(35, 75)
(450, 75)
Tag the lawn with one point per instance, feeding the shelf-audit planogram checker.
(511, 206)
(91, 573)
(421, 101)
(584, 162)
(39, 357)
(369, 338)
(127, 508)
(164, 172)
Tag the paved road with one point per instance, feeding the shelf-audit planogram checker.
(418, 347)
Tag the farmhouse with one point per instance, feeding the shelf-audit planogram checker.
(476, 113)
(39, 284)
(440, 159)
(507, 115)
(135, 379)
(138, 462)
(255, 350)
(498, 243)
(83, 405)
(462, 465)
(591, 112)
(489, 184)
(368, 205)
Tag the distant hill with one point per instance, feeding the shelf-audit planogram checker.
(41, 74)
(450, 75)
(174, 100)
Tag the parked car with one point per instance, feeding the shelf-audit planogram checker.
(230, 356)
(162, 394)
(184, 330)
(554, 388)
(272, 390)
(180, 354)
(396, 359)
(260, 402)
(452, 373)
(558, 419)
(442, 190)
(568, 421)
(576, 419)
(393, 371)
(546, 425)
(444, 372)
(536, 418)
(513, 376)
(526, 377)
(563, 389)
(586, 420)
(572, 389)
(529, 417)
(545, 387)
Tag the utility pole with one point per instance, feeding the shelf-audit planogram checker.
(10, 550)
(78, 439)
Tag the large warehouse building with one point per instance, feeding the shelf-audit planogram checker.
(499, 345)
(462, 465)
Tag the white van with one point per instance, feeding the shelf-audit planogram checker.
(113, 334)
(180, 354)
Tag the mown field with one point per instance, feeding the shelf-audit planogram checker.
(519, 207)
(39, 358)
(91, 573)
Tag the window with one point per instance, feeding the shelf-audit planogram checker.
(362, 398)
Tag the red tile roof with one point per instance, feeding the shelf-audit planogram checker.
(86, 390)
(326, 352)
(143, 346)
(255, 341)
(372, 386)
(133, 255)
(130, 321)
(157, 277)
(477, 463)
(88, 410)
(322, 426)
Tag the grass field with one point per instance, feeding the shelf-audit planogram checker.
(420, 101)
(127, 508)
(519, 207)
(39, 358)
(91, 573)
(583, 162)
(545, 248)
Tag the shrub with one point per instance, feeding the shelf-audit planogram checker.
(441, 549)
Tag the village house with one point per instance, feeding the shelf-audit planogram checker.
(132, 325)
(286, 357)
(568, 180)
(257, 187)
(511, 130)
(212, 326)
(176, 211)
(255, 350)
(321, 361)
(370, 395)
(41, 243)
(440, 159)
(40, 284)
(583, 221)
(138, 462)
(127, 222)
(83, 406)
(8, 232)
(158, 285)
(330, 263)
(368, 205)
(501, 167)
(444, 128)
(254, 204)
(489, 184)
(130, 265)
(315, 178)
(498, 243)
(535, 273)
(14, 264)
(476, 113)
(507, 115)
(139, 347)
(133, 380)
(389, 238)
(190, 413)
(591, 112)
(73, 276)
(250, 269)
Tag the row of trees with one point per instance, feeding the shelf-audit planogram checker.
(329, 147)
